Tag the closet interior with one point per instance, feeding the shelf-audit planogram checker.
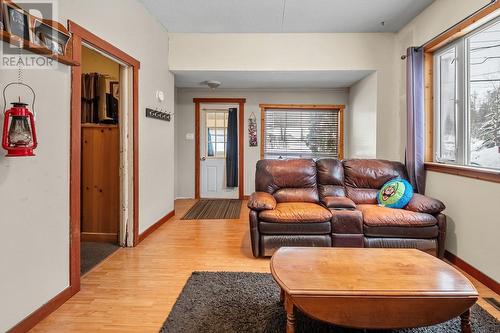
(100, 158)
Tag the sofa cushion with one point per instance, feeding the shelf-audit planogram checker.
(296, 212)
(308, 228)
(367, 173)
(401, 232)
(330, 177)
(422, 204)
(377, 216)
(338, 202)
(287, 180)
(362, 195)
(261, 201)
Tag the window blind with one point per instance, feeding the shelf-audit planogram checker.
(304, 133)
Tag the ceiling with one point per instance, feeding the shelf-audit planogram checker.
(240, 16)
(270, 79)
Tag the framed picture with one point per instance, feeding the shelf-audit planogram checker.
(2, 26)
(45, 35)
(114, 89)
(53, 44)
(16, 21)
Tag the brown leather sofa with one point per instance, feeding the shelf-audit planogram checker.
(334, 203)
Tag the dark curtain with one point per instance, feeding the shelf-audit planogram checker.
(210, 144)
(90, 98)
(232, 149)
(415, 118)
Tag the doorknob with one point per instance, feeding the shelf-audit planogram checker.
(203, 158)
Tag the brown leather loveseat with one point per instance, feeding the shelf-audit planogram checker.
(334, 203)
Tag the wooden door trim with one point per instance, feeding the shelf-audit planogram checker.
(81, 35)
(241, 153)
(324, 107)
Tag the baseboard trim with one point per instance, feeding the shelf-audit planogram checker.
(98, 237)
(472, 271)
(38, 315)
(155, 226)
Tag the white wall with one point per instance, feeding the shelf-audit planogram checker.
(295, 52)
(34, 203)
(362, 135)
(184, 123)
(472, 205)
(34, 192)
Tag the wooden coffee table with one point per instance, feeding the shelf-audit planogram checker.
(371, 288)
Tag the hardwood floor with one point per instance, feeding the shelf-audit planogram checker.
(134, 289)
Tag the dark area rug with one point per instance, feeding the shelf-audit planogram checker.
(92, 253)
(214, 209)
(249, 302)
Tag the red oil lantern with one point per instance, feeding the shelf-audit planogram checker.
(19, 133)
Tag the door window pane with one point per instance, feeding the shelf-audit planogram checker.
(484, 98)
(216, 123)
(447, 105)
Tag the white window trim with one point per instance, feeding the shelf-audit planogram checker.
(461, 100)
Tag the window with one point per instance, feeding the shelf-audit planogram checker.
(467, 99)
(216, 125)
(301, 132)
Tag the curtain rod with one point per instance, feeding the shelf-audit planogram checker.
(403, 57)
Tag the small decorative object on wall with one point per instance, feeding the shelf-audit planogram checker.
(158, 114)
(19, 133)
(49, 37)
(252, 130)
(114, 89)
(16, 21)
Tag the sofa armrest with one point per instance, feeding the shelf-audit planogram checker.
(421, 204)
(260, 201)
(338, 202)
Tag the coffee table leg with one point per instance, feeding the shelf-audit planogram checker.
(282, 296)
(465, 322)
(290, 316)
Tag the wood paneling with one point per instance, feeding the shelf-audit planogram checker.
(134, 290)
(241, 146)
(462, 28)
(75, 166)
(326, 107)
(464, 171)
(197, 154)
(100, 181)
(303, 106)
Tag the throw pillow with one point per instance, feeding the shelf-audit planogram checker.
(396, 193)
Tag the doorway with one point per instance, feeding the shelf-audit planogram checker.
(100, 158)
(214, 139)
(219, 154)
(104, 149)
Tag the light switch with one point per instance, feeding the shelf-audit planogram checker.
(160, 96)
(189, 136)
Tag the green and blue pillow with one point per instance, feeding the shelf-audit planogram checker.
(396, 193)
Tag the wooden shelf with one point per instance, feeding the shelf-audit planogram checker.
(93, 125)
(27, 45)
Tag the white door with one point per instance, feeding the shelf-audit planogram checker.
(213, 139)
